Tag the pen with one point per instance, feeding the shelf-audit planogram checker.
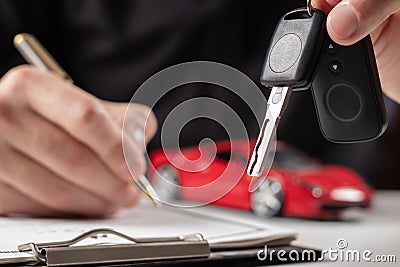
(34, 53)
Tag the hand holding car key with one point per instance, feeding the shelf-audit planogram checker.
(345, 82)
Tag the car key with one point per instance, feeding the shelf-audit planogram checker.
(347, 93)
(290, 63)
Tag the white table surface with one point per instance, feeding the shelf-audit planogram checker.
(377, 230)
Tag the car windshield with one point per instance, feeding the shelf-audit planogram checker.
(293, 159)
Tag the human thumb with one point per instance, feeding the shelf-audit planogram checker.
(351, 20)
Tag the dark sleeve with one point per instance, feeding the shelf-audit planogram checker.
(23, 16)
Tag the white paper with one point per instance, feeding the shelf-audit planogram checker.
(142, 221)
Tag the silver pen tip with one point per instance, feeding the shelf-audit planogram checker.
(148, 190)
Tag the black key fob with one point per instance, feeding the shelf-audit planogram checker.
(348, 94)
(294, 49)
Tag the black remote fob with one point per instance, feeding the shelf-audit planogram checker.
(348, 94)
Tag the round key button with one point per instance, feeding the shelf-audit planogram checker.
(344, 102)
(285, 53)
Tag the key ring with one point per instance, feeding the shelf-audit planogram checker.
(309, 8)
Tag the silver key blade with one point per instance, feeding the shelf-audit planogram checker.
(277, 102)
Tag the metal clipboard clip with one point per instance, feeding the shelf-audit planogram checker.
(63, 253)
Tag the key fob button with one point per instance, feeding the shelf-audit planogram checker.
(335, 66)
(344, 102)
(285, 53)
(294, 50)
(331, 49)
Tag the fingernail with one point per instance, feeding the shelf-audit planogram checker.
(343, 21)
(138, 134)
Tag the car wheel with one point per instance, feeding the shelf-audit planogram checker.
(166, 183)
(267, 200)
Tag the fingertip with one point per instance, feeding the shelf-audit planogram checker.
(342, 23)
(324, 5)
(147, 119)
(151, 126)
(136, 166)
(135, 200)
(134, 160)
(345, 42)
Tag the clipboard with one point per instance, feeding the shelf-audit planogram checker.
(172, 237)
(64, 253)
(193, 250)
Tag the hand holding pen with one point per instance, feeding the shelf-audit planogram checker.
(60, 148)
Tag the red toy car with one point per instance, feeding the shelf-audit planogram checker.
(295, 186)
